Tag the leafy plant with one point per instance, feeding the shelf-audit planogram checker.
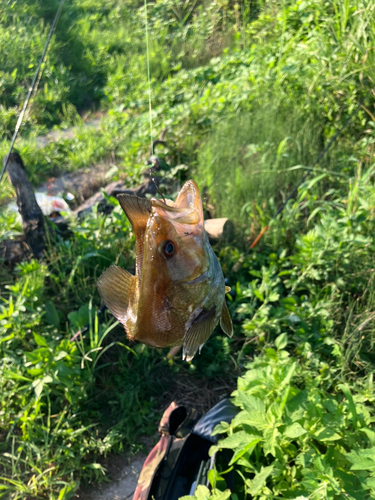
(295, 436)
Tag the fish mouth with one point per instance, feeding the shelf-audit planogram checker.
(186, 215)
(187, 209)
(197, 280)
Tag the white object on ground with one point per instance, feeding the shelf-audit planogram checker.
(48, 204)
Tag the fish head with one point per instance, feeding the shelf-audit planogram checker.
(175, 241)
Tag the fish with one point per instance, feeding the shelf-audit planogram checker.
(177, 296)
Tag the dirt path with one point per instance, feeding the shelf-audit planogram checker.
(125, 476)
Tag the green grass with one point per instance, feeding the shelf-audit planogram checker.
(250, 93)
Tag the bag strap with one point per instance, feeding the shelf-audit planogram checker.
(175, 426)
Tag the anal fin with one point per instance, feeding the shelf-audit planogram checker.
(226, 321)
(119, 291)
(198, 333)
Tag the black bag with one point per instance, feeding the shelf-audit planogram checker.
(179, 462)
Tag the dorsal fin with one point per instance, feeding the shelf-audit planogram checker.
(138, 211)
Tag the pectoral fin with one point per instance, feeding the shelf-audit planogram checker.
(198, 333)
(138, 211)
(226, 321)
(119, 291)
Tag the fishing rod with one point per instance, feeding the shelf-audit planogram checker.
(33, 85)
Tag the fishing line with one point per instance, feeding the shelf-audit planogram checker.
(149, 80)
(32, 87)
(150, 105)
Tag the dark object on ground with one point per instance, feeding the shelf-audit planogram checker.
(32, 216)
(33, 242)
(14, 251)
(82, 183)
(149, 186)
(115, 188)
(179, 462)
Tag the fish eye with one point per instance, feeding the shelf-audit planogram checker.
(169, 249)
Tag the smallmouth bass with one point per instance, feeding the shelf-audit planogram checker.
(177, 295)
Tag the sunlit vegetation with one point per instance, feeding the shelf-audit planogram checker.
(249, 93)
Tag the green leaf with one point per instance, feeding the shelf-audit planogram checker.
(215, 479)
(254, 413)
(221, 495)
(95, 465)
(239, 420)
(258, 294)
(297, 405)
(270, 441)
(326, 434)
(65, 492)
(305, 458)
(40, 340)
(345, 389)
(35, 372)
(281, 341)
(80, 318)
(220, 428)
(370, 482)
(60, 355)
(256, 484)
(52, 316)
(203, 493)
(273, 297)
(251, 403)
(370, 434)
(15, 376)
(274, 413)
(257, 420)
(294, 431)
(38, 385)
(246, 449)
(238, 440)
(271, 353)
(315, 180)
(363, 459)
(289, 375)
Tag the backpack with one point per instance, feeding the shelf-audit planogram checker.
(179, 462)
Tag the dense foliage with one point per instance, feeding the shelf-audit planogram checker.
(249, 93)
